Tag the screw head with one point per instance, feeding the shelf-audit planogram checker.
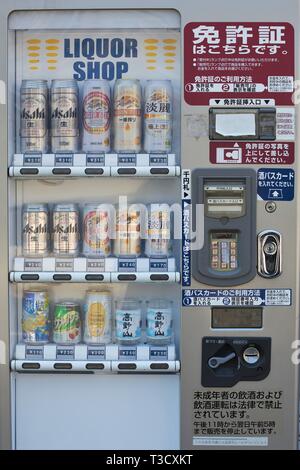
(270, 207)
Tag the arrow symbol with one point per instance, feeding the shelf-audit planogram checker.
(217, 101)
(267, 101)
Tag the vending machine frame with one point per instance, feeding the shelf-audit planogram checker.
(278, 334)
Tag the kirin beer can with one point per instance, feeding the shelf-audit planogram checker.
(158, 243)
(64, 116)
(158, 116)
(97, 317)
(65, 229)
(34, 116)
(35, 317)
(128, 233)
(127, 116)
(35, 229)
(67, 323)
(96, 230)
(96, 116)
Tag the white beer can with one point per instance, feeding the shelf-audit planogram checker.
(158, 116)
(64, 116)
(127, 116)
(158, 243)
(97, 317)
(34, 116)
(96, 230)
(96, 116)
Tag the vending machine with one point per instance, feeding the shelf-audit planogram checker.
(149, 260)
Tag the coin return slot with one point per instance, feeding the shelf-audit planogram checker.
(31, 365)
(94, 171)
(62, 277)
(159, 366)
(94, 277)
(30, 277)
(127, 277)
(94, 366)
(159, 277)
(29, 171)
(62, 366)
(128, 366)
(61, 171)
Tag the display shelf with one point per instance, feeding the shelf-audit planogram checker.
(86, 165)
(111, 358)
(81, 269)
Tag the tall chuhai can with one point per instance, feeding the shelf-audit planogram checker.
(158, 116)
(64, 116)
(127, 116)
(34, 116)
(96, 116)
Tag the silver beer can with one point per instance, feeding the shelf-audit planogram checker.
(34, 116)
(64, 116)
(65, 229)
(35, 229)
(158, 243)
(96, 116)
(158, 116)
(127, 116)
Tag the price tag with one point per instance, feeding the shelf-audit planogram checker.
(96, 353)
(95, 159)
(33, 265)
(127, 353)
(95, 265)
(127, 265)
(62, 265)
(125, 159)
(34, 352)
(65, 353)
(158, 265)
(32, 160)
(158, 159)
(62, 159)
(158, 353)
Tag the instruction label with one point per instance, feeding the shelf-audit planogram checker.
(236, 297)
(275, 184)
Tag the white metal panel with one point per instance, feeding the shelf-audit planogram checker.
(97, 412)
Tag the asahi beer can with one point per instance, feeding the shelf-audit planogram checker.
(65, 229)
(128, 322)
(64, 116)
(96, 230)
(35, 317)
(97, 317)
(96, 116)
(34, 116)
(127, 116)
(158, 242)
(35, 229)
(128, 241)
(67, 323)
(158, 116)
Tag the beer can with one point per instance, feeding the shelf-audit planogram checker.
(65, 229)
(127, 116)
(97, 317)
(35, 317)
(34, 116)
(35, 230)
(158, 116)
(67, 323)
(64, 116)
(128, 233)
(96, 116)
(158, 242)
(96, 233)
(128, 321)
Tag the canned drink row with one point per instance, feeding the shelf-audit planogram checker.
(126, 116)
(103, 231)
(95, 322)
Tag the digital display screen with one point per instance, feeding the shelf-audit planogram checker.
(238, 317)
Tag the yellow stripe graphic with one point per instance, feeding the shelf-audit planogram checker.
(151, 48)
(34, 68)
(169, 61)
(33, 48)
(151, 54)
(33, 41)
(151, 61)
(151, 41)
(52, 41)
(33, 54)
(51, 48)
(52, 61)
(151, 68)
(170, 48)
(170, 41)
(34, 61)
(51, 68)
(170, 54)
(169, 68)
(51, 54)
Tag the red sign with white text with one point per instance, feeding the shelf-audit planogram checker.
(249, 60)
(255, 153)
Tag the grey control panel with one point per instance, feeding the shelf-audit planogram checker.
(242, 124)
(228, 254)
